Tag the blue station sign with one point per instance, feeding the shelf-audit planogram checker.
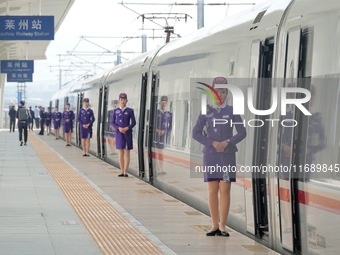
(12, 66)
(19, 77)
(26, 27)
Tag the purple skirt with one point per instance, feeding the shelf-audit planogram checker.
(56, 125)
(85, 132)
(219, 167)
(68, 128)
(124, 141)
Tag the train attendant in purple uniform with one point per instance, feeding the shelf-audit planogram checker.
(56, 117)
(48, 119)
(86, 119)
(219, 149)
(123, 120)
(68, 117)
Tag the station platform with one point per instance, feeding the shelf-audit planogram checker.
(54, 201)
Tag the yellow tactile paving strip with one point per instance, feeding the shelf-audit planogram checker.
(111, 231)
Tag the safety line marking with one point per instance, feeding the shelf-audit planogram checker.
(111, 231)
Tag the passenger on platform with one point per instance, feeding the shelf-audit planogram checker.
(163, 129)
(36, 117)
(68, 117)
(12, 116)
(86, 119)
(22, 116)
(48, 120)
(42, 120)
(123, 120)
(56, 116)
(31, 119)
(219, 150)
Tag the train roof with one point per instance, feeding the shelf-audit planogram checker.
(254, 22)
(140, 63)
(258, 18)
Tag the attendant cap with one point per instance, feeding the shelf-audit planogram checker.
(219, 80)
(164, 98)
(123, 95)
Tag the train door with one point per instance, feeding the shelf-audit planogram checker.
(287, 184)
(56, 104)
(151, 122)
(79, 106)
(100, 123)
(141, 125)
(249, 185)
(263, 102)
(105, 121)
(256, 195)
(62, 109)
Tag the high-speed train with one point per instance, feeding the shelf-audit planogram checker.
(275, 45)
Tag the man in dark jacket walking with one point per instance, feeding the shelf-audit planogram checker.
(23, 116)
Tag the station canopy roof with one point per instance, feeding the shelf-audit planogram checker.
(32, 50)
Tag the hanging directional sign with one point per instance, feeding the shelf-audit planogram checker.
(26, 27)
(11, 66)
(19, 77)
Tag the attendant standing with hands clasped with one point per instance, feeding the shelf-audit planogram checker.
(56, 116)
(123, 120)
(86, 119)
(219, 149)
(68, 117)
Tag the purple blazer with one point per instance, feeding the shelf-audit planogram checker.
(123, 118)
(205, 133)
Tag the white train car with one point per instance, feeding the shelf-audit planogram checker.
(275, 45)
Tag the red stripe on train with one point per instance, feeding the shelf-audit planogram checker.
(305, 198)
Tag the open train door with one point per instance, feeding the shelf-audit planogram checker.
(287, 184)
(79, 106)
(151, 117)
(101, 121)
(141, 130)
(104, 120)
(256, 182)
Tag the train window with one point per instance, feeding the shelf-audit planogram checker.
(307, 39)
(180, 123)
(177, 124)
(185, 123)
(157, 122)
(170, 139)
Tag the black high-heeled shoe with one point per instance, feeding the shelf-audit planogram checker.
(224, 233)
(214, 233)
